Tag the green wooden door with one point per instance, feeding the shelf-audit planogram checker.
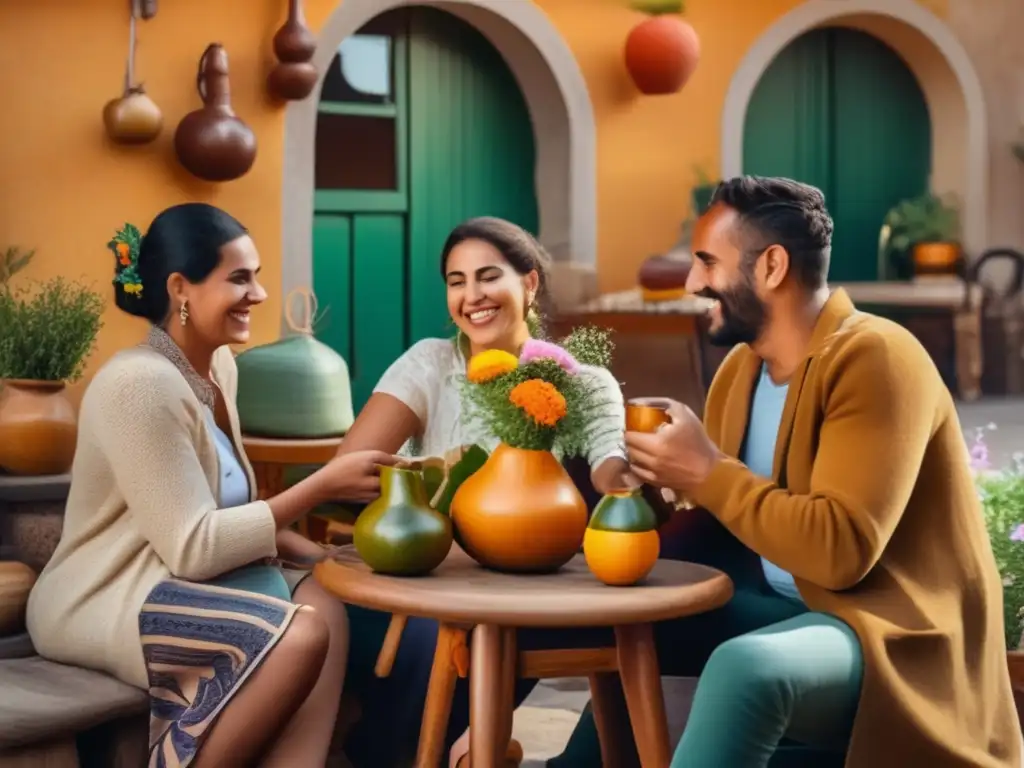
(841, 110)
(421, 126)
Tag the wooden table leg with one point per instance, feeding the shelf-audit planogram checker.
(490, 718)
(448, 665)
(612, 718)
(641, 681)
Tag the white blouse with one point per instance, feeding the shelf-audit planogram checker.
(426, 378)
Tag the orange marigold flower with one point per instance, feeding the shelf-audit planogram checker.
(541, 401)
(124, 254)
(489, 365)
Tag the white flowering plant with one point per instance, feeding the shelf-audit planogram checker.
(1002, 500)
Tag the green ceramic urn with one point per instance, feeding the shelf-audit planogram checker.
(399, 534)
(296, 388)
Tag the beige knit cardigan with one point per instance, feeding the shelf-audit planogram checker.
(142, 507)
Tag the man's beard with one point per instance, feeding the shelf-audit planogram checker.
(743, 314)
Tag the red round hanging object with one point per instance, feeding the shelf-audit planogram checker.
(661, 54)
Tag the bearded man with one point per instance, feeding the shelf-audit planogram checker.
(830, 479)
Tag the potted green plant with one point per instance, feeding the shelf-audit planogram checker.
(47, 331)
(921, 235)
(1002, 499)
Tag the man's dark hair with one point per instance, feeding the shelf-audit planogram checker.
(779, 211)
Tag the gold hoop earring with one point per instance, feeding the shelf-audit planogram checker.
(183, 312)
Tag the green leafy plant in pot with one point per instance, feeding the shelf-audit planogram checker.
(921, 236)
(47, 332)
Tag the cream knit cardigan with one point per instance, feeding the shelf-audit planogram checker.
(142, 507)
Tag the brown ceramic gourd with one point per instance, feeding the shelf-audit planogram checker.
(212, 143)
(520, 512)
(294, 77)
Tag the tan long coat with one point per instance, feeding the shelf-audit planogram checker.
(873, 510)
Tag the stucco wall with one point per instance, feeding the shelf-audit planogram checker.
(991, 32)
(65, 188)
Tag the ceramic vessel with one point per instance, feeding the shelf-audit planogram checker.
(16, 581)
(399, 534)
(936, 258)
(212, 143)
(661, 54)
(621, 544)
(294, 77)
(646, 414)
(38, 428)
(520, 512)
(296, 387)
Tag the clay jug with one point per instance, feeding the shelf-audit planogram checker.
(621, 544)
(294, 78)
(211, 142)
(16, 581)
(520, 512)
(38, 428)
(399, 534)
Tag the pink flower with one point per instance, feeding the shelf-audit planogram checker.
(534, 349)
(1018, 533)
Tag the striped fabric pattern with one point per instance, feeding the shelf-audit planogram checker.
(200, 643)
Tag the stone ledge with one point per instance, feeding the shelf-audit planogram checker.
(18, 489)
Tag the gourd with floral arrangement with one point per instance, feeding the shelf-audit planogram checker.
(520, 511)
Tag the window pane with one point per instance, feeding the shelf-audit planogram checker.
(362, 72)
(355, 152)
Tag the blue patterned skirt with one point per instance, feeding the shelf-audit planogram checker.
(200, 643)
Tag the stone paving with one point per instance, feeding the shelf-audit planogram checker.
(545, 720)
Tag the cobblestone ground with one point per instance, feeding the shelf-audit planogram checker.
(547, 717)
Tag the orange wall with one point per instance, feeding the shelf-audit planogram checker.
(66, 188)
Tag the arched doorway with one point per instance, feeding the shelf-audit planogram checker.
(420, 125)
(840, 109)
(942, 66)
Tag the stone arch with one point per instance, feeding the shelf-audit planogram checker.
(560, 109)
(942, 67)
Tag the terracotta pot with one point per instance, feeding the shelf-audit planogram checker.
(38, 428)
(16, 581)
(621, 543)
(399, 534)
(520, 512)
(936, 258)
(661, 54)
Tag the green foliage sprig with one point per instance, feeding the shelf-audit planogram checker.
(48, 333)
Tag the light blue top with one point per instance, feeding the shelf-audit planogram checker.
(234, 484)
(759, 456)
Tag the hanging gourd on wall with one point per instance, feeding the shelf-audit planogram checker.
(294, 77)
(212, 143)
(133, 117)
(662, 51)
(296, 387)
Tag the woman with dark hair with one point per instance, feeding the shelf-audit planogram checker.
(167, 573)
(495, 274)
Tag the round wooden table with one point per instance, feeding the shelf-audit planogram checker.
(460, 595)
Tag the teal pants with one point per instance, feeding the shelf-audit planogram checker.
(798, 679)
(776, 681)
